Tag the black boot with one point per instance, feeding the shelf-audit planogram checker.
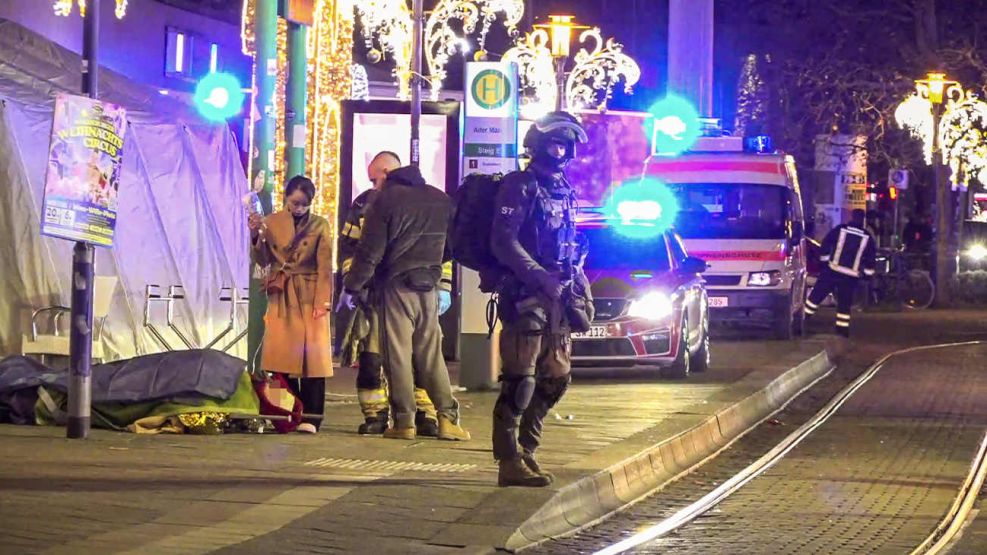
(374, 425)
(427, 427)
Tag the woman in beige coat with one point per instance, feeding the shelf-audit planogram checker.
(296, 248)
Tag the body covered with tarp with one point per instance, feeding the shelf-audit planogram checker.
(139, 394)
(179, 222)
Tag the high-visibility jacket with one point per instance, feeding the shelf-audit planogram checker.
(849, 251)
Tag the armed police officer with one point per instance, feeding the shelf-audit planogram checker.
(848, 251)
(362, 340)
(542, 299)
(401, 251)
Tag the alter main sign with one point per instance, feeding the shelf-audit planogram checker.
(490, 137)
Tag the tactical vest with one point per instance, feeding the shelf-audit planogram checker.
(555, 226)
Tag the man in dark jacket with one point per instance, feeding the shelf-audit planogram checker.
(848, 253)
(363, 336)
(402, 248)
(534, 238)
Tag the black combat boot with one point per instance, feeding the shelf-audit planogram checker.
(427, 427)
(374, 425)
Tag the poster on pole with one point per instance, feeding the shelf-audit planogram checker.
(490, 134)
(82, 180)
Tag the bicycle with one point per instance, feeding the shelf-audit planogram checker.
(899, 282)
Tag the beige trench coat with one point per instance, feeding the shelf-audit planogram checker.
(294, 342)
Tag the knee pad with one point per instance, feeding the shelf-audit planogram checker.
(551, 390)
(516, 393)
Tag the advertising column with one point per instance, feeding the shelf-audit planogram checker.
(843, 158)
(489, 146)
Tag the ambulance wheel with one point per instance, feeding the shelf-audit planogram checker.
(680, 367)
(784, 324)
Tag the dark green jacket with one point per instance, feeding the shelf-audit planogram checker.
(404, 232)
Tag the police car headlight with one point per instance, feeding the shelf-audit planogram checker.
(652, 306)
(764, 279)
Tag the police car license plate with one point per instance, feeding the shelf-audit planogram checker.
(595, 332)
(719, 302)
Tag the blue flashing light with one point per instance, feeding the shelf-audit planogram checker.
(760, 144)
(675, 126)
(219, 96)
(642, 209)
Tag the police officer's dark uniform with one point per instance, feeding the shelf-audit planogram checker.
(363, 336)
(401, 250)
(848, 251)
(534, 237)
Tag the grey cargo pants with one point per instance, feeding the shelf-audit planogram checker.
(412, 345)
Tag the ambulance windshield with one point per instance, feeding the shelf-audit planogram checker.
(730, 211)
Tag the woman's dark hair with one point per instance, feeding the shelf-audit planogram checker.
(300, 183)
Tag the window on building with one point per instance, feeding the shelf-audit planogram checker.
(189, 56)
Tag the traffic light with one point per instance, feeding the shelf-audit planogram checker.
(893, 193)
(219, 96)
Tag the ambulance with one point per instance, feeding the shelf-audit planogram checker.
(740, 210)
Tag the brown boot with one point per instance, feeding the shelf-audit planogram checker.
(513, 472)
(529, 460)
(400, 433)
(450, 431)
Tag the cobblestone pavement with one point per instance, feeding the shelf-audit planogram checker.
(337, 491)
(876, 478)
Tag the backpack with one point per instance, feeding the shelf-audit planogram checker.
(469, 227)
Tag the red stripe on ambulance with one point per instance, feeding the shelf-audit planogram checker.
(764, 256)
(681, 166)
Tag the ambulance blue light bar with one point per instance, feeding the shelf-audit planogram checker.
(760, 144)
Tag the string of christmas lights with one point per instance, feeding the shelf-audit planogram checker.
(64, 8)
(330, 60)
(962, 134)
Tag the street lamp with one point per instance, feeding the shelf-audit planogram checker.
(598, 66)
(560, 29)
(936, 89)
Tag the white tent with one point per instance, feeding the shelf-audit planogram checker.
(180, 220)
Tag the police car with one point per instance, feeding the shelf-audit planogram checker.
(650, 300)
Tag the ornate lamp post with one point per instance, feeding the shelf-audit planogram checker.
(937, 90)
(560, 29)
(541, 56)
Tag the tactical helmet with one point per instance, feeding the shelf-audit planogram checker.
(555, 125)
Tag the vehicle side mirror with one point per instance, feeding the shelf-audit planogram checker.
(693, 265)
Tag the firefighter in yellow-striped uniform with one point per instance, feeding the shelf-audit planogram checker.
(362, 340)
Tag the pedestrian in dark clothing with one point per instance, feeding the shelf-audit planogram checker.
(401, 250)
